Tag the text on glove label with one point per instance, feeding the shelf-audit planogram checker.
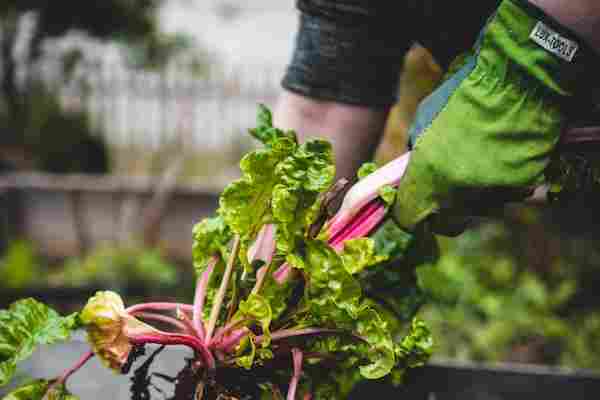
(552, 41)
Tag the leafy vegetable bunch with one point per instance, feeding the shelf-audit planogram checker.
(285, 285)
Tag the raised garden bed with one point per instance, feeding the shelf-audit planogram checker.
(63, 215)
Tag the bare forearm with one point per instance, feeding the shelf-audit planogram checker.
(354, 131)
(582, 16)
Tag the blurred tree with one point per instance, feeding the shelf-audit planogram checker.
(125, 20)
(25, 25)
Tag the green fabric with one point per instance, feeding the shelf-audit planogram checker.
(493, 138)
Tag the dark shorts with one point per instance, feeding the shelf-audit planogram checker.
(351, 51)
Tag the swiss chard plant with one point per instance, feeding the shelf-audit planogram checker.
(286, 284)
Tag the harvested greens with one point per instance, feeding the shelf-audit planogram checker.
(285, 288)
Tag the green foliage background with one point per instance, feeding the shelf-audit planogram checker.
(521, 290)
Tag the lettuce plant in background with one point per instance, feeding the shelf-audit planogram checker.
(521, 290)
(284, 289)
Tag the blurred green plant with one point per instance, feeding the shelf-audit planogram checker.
(516, 291)
(109, 266)
(117, 267)
(20, 267)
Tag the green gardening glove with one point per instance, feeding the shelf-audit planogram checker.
(486, 135)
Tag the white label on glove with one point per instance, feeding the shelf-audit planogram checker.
(552, 41)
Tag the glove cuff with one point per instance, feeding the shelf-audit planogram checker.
(534, 46)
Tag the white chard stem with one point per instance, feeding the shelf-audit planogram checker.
(214, 313)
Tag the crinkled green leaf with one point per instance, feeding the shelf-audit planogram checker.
(26, 324)
(36, 390)
(295, 261)
(359, 254)
(264, 131)
(257, 308)
(247, 352)
(335, 299)
(371, 327)
(366, 169)
(285, 202)
(331, 288)
(60, 392)
(211, 236)
(302, 176)
(31, 391)
(264, 354)
(416, 347)
(277, 295)
(391, 241)
(245, 204)
(388, 194)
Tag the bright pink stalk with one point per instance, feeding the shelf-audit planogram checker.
(363, 214)
(165, 319)
(263, 247)
(366, 190)
(229, 343)
(219, 333)
(361, 225)
(200, 297)
(297, 361)
(187, 321)
(283, 273)
(67, 374)
(174, 339)
(159, 307)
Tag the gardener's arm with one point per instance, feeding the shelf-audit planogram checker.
(353, 130)
(344, 71)
(342, 78)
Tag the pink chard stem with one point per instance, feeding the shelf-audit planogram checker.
(200, 297)
(263, 247)
(366, 190)
(231, 325)
(356, 220)
(214, 314)
(283, 273)
(180, 326)
(263, 250)
(297, 361)
(187, 321)
(361, 225)
(159, 307)
(176, 339)
(230, 342)
(67, 374)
